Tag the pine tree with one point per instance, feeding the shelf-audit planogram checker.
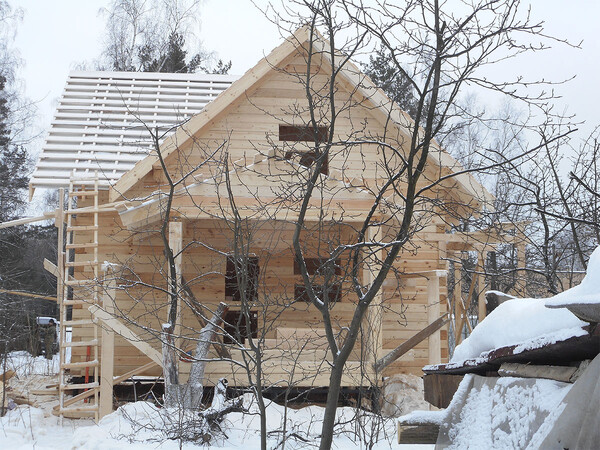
(151, 36)
(173, 60)
(392, 81)
(13, 164)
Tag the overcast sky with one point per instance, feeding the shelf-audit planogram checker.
(57, 35)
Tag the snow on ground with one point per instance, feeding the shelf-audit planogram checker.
(24, 364)
(142, 425)
(588, 291)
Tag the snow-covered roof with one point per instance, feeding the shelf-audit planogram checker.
(99, 122)
(530, 323)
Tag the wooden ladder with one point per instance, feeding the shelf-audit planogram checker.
(79, 293)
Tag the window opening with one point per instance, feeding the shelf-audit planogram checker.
(236, 331)
(232, 290)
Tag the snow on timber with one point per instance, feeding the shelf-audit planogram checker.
(528, 323)
(522, 322)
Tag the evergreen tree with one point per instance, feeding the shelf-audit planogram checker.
(392, 81)
(152, 36)
(173, 60)
(13, 164)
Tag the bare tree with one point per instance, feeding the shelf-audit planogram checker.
(156, 36)
(305, 200)
(446, 50)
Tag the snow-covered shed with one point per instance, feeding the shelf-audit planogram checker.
(527, 377)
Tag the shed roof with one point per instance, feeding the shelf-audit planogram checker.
(99, 124)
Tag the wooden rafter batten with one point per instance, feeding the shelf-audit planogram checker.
(114, 139)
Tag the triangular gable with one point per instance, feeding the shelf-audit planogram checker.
(383, 108)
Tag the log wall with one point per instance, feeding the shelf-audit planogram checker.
(248, 126)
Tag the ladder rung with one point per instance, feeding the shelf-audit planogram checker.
(74, 323)
(80, 365)
(77, 387)
(82, 228)
(81, 263)
(83, 193)
(83, 210)
(92, 343)
(85, 245)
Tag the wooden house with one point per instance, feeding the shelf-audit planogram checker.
(257, 124)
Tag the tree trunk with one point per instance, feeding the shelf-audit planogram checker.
(205, 340)
(170, 372)
(333, 394)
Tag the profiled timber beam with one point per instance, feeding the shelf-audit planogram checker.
(107, 360)
(53, 270)
(26, 220)
(28, 294)
(121, 329)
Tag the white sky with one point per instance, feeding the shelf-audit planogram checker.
(56, 35)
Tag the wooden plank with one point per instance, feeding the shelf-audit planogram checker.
(107, 357)
(53, 391)
(133, 372)
(51, 267)
(457, 301)
(426, 433)
(28, 294)
(481, 310)
(520, 242)
(411, 343)
(433, 304)
(374, 317)
(439, 389)
(465, 319)
(127, 333)
(26, 220)
(558, 373)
